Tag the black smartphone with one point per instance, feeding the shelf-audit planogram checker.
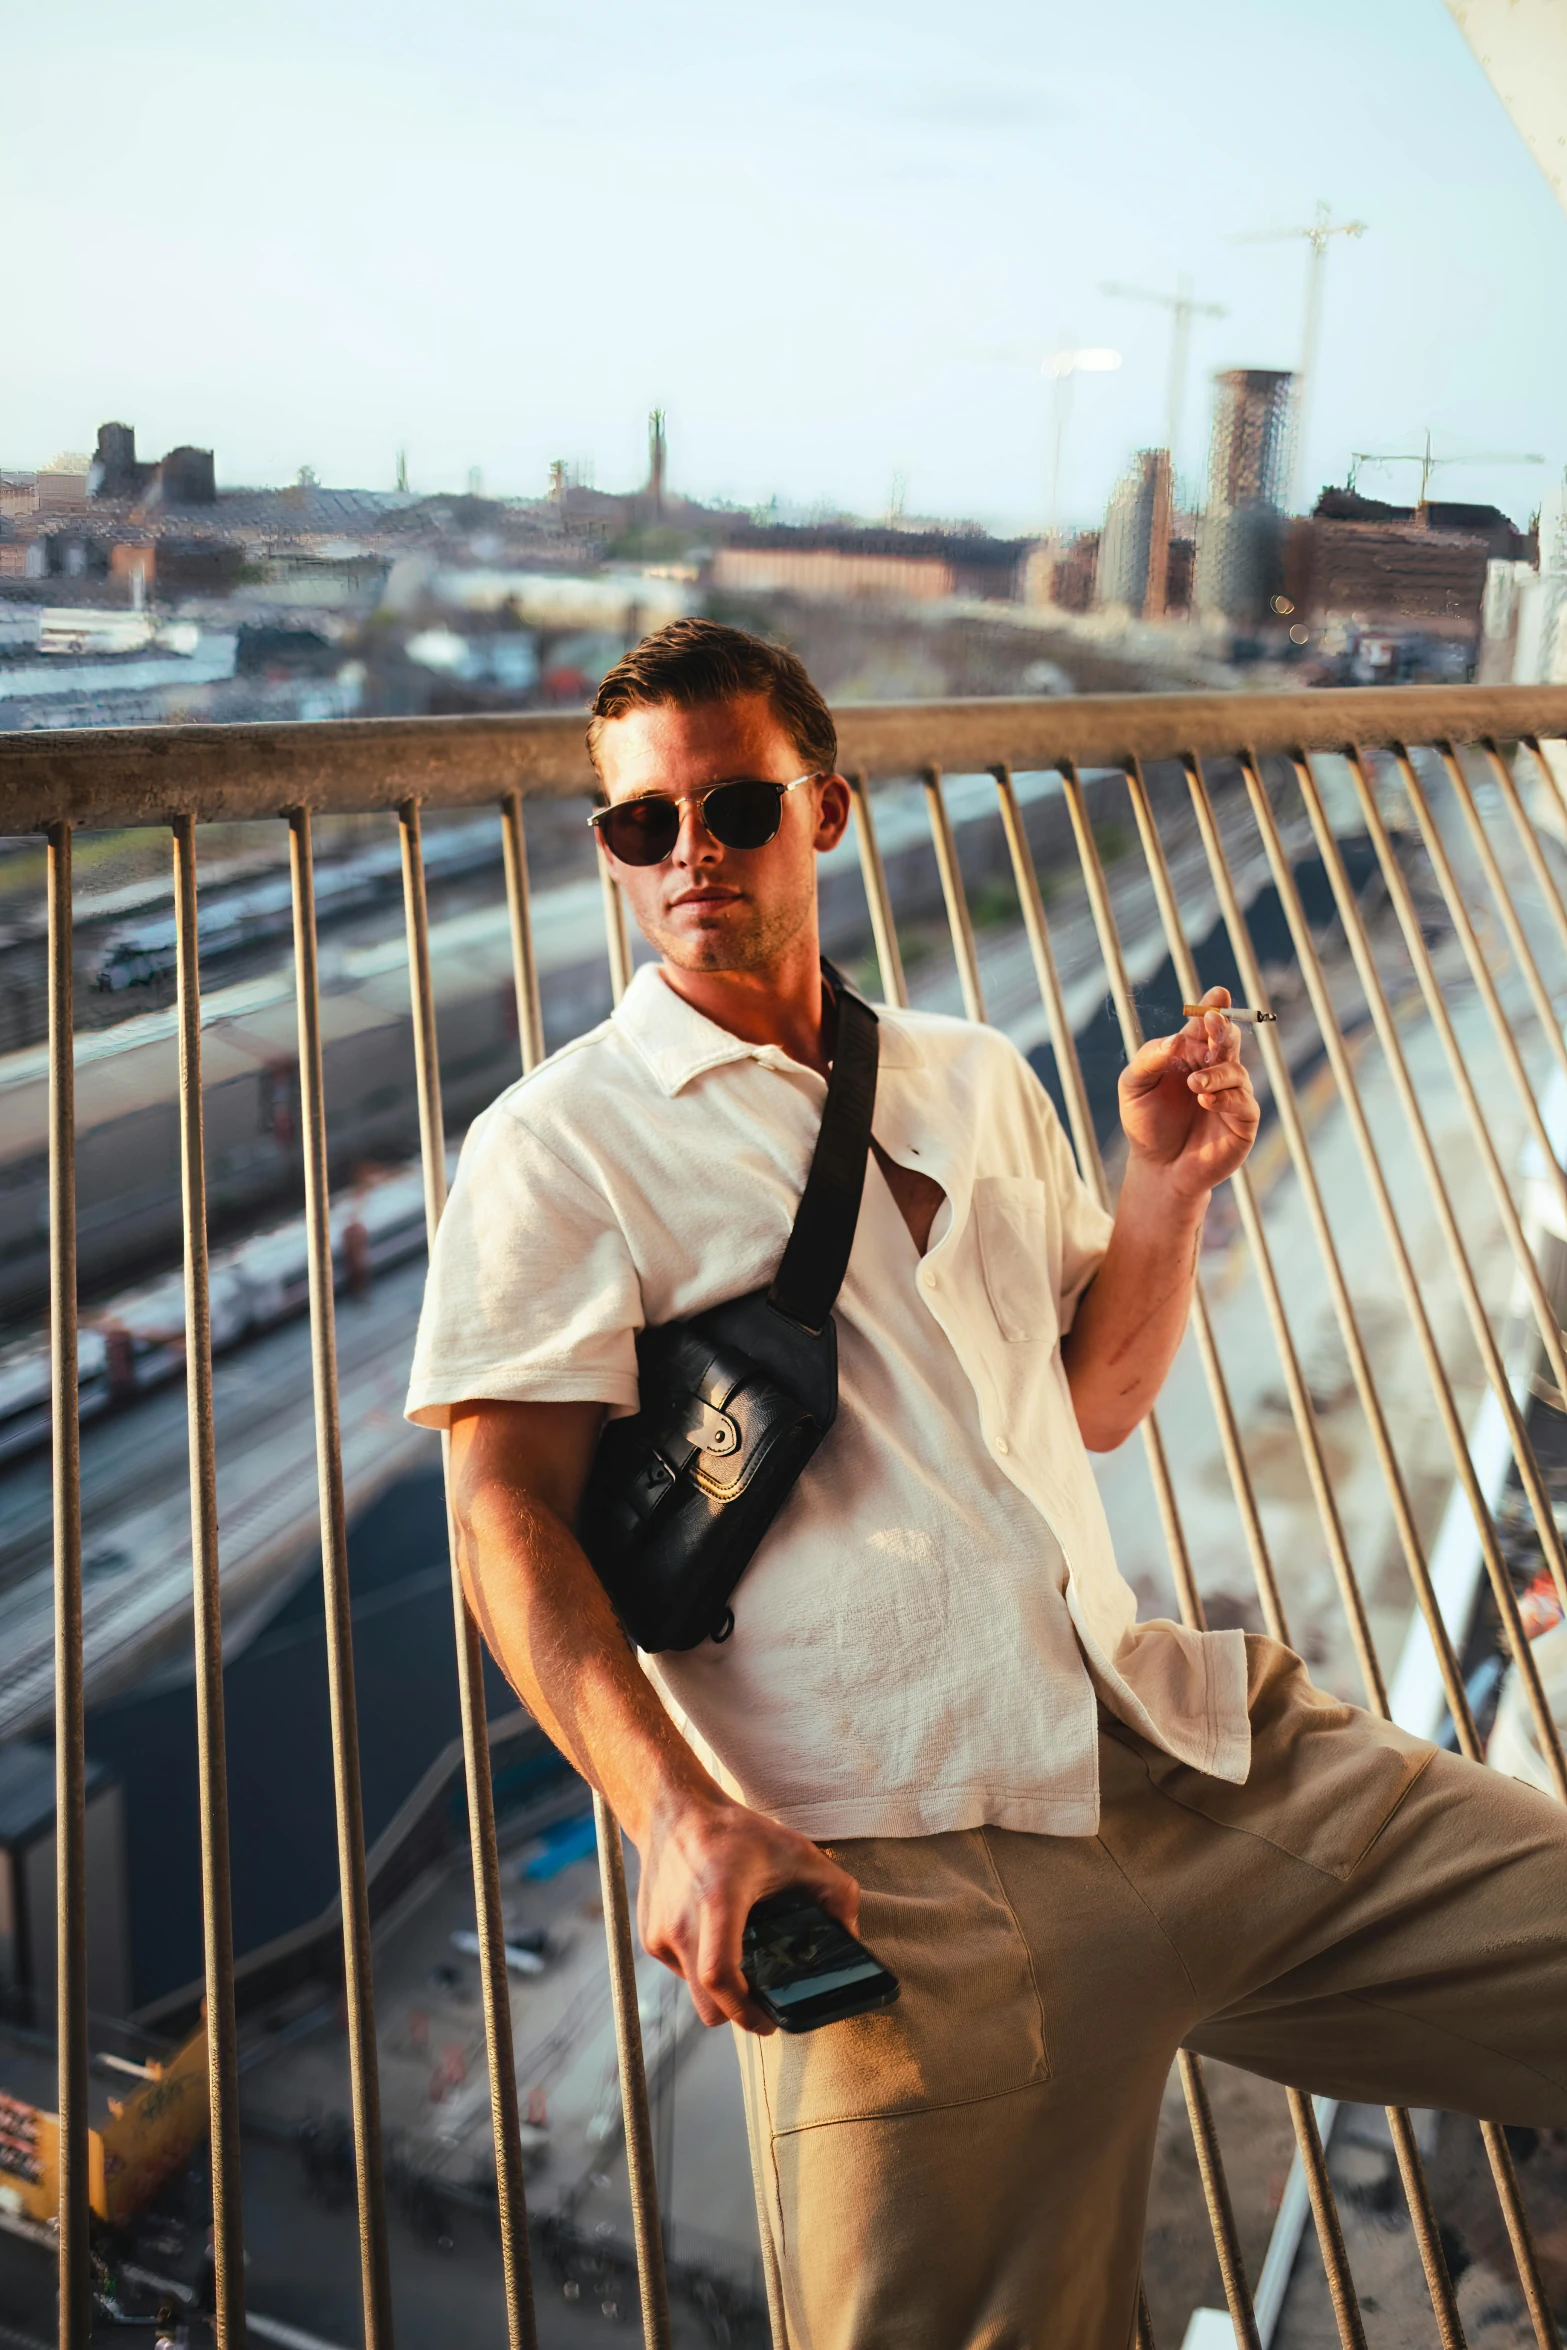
(805, 1969)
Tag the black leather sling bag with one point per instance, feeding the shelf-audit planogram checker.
(734, 1402)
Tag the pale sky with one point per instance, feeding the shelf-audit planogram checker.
(834, 239)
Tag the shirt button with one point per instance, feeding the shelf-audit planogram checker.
(928, 1278)
(1002, 1445)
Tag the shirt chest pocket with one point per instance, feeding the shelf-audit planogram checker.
(1017, 1250)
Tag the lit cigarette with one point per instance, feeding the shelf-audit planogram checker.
(1228, 1012)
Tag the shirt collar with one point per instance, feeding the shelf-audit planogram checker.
(678, 1042)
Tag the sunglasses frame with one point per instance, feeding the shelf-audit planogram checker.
(699, 800)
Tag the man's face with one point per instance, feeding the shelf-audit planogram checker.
(707, 907)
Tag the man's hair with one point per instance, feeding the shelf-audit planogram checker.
(692, 662)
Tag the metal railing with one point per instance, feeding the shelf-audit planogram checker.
(179, 778)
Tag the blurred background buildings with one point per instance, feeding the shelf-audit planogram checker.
(135, 590)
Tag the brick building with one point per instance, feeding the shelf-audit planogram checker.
(843, 561)
(1355, 559)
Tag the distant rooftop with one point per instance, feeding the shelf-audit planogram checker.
(809, 538)
(1344, 505)
(310, 507)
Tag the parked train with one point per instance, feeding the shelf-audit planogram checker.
(135, 953)
(137, 1342)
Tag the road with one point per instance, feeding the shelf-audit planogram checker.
(136, 1549)
(436, 2114)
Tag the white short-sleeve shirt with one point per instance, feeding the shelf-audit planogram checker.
(920, 1640)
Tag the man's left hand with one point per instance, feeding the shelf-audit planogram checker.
(1187, 1105)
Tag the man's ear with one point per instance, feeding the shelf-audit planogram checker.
(833, 804)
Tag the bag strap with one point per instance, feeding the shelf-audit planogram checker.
(813, 1265)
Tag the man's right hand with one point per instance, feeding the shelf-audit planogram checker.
(706, 1862)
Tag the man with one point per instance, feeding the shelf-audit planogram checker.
(1080, 1842)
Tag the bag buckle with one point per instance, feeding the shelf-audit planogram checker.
(713, 1431)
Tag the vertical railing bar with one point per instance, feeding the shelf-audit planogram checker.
(954, 895)
(1031, 900)
(1205, 2137)
(1238, 1469)
(494, 1992)
(525, 968)
(1216, 2193)
(1325, 2212)
(1523, 1449)
(70, 1768)
(1189, 1596)
(1143, 2338)
(1545, 879)
(884, 931)
(640, 2174)
(1428, 2233)
(364, 2081)
(1474, 954)
(1330, 2237)
(217, 1920)
(1551, 1334)
(1536, 2297)
(1506, 905)
(616, 938)
(1349, 1092)
(427, 1058)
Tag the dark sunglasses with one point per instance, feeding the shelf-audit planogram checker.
(744, 814)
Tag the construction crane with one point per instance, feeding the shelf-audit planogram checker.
(1428, 463)
(1316, 233)
(1183, 308)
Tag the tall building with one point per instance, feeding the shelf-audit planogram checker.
(657, 460)
(1134, 548)
(116, 471)
(1248, 458)
(1240, 540)
(185, 477)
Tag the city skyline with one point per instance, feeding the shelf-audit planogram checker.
(495, 241)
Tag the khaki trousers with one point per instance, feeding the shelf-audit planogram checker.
(1367, 1918)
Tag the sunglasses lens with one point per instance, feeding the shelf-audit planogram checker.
(744, 815)
(641, 832)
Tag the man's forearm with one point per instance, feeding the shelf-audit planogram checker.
(1133, 1314)
(550, 1626)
